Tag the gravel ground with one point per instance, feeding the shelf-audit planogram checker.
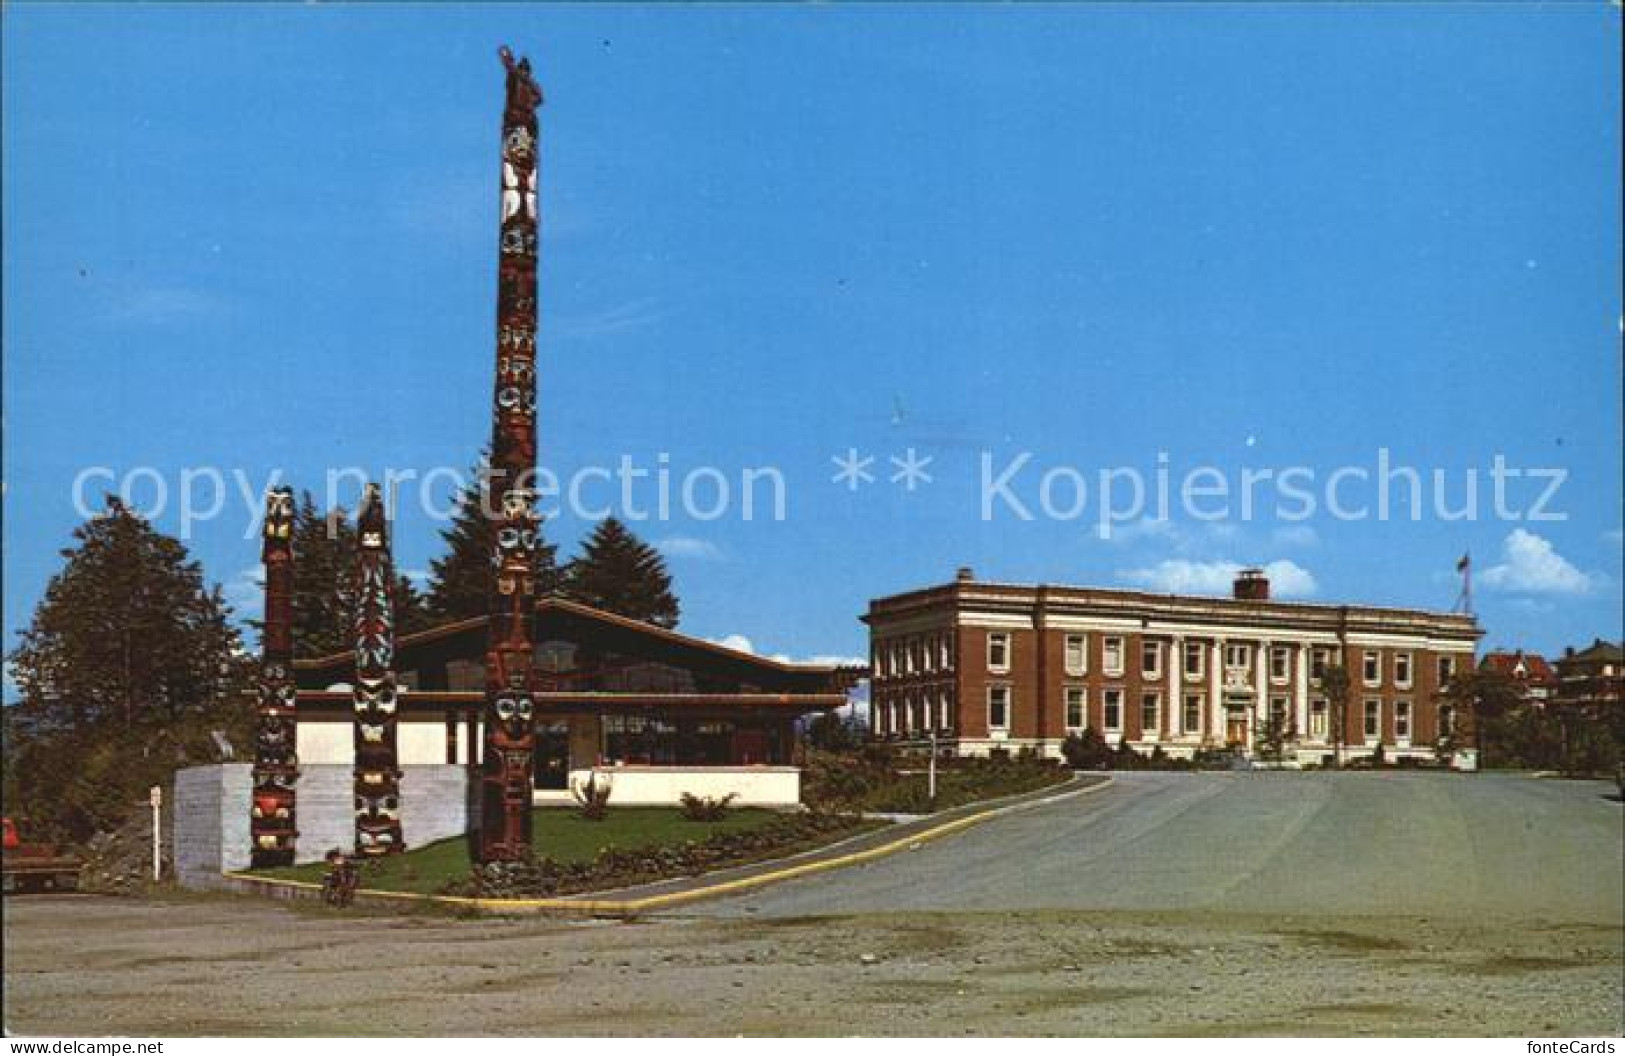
(1300, 926)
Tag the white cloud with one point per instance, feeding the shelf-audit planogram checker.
(1530, 565)
(736, 642)
(688, 546)
(742, 644)
(1179, 576)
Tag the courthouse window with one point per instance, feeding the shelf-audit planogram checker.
(1077, 658)
(1317, 718)
(1402, 669)
(1193, 712)
(1279, 663)
(1402, 720)
(1150, 706)
(1151, 659)
(998, 651)
(1238, 655)
(1373, 668)
(1447, 670)
(945, 712)
(1112, 707)
(1112, 656)
(1373, 720)
(1319, 660)
(998, 707)
(1076, 715)
(1193, 659)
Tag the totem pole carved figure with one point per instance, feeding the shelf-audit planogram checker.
(377, 770)
(510, 676)
(276, 766)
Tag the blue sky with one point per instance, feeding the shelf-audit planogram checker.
(263, 238)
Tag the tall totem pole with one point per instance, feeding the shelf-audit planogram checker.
(377, 770)
(510, 675)
(276, 766)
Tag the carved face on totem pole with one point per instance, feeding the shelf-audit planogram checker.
(375, 697)
(271, 820)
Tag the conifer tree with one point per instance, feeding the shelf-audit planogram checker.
(460, 582)
(620, 573)
(129, 666)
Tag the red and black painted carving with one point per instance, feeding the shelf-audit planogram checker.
(276, 765)
(377, 769)
(510, 675)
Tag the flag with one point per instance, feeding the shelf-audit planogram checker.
(1465, 563)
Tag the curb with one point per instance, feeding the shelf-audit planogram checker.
(631, 907)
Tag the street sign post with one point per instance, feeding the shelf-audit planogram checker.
(156, 797)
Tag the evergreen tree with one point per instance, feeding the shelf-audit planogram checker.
(460, 583)
(324, 598)
(620, 573)
(129, 666)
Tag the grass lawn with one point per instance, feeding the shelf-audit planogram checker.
(559, 833)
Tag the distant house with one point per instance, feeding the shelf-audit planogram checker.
(1534, 676)
(1591, 679)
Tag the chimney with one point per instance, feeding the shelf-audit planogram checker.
(1252, 585)
(965, 574)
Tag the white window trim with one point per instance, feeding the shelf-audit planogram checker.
(1009, 644)
(1285, 676)
(1082, 666)
(1188, 727)
(1404, 739)
(1155, 731)
(1198, 650)
(1244, 651)
(1410, 670)
(1367, 658)
(1446, 668)
(1009, 706)
(1153, 673)
(1320, 708)
(1106, 664)
(1365, 720)
(1322, 657)
(1083, 707)
(1105, 721)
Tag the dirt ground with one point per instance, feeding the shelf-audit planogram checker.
(1174, 904)
(88, 965)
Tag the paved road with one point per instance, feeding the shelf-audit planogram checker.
(1406, 844)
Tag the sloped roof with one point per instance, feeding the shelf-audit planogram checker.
(573, 609)
(1536, 669)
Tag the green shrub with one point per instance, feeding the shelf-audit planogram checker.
(706, 808)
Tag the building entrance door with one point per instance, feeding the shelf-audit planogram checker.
(1235, 730)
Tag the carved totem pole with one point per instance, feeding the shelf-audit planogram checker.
(276, 767)
(510, 676)
(377, 773)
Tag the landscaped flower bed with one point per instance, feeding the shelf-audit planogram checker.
(627, 867)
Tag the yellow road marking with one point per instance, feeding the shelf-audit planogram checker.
(632, 907)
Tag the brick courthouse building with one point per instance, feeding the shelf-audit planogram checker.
(990, 666)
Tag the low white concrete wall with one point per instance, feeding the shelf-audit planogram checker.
(210, 822)
(662, 786)
(211, 808)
